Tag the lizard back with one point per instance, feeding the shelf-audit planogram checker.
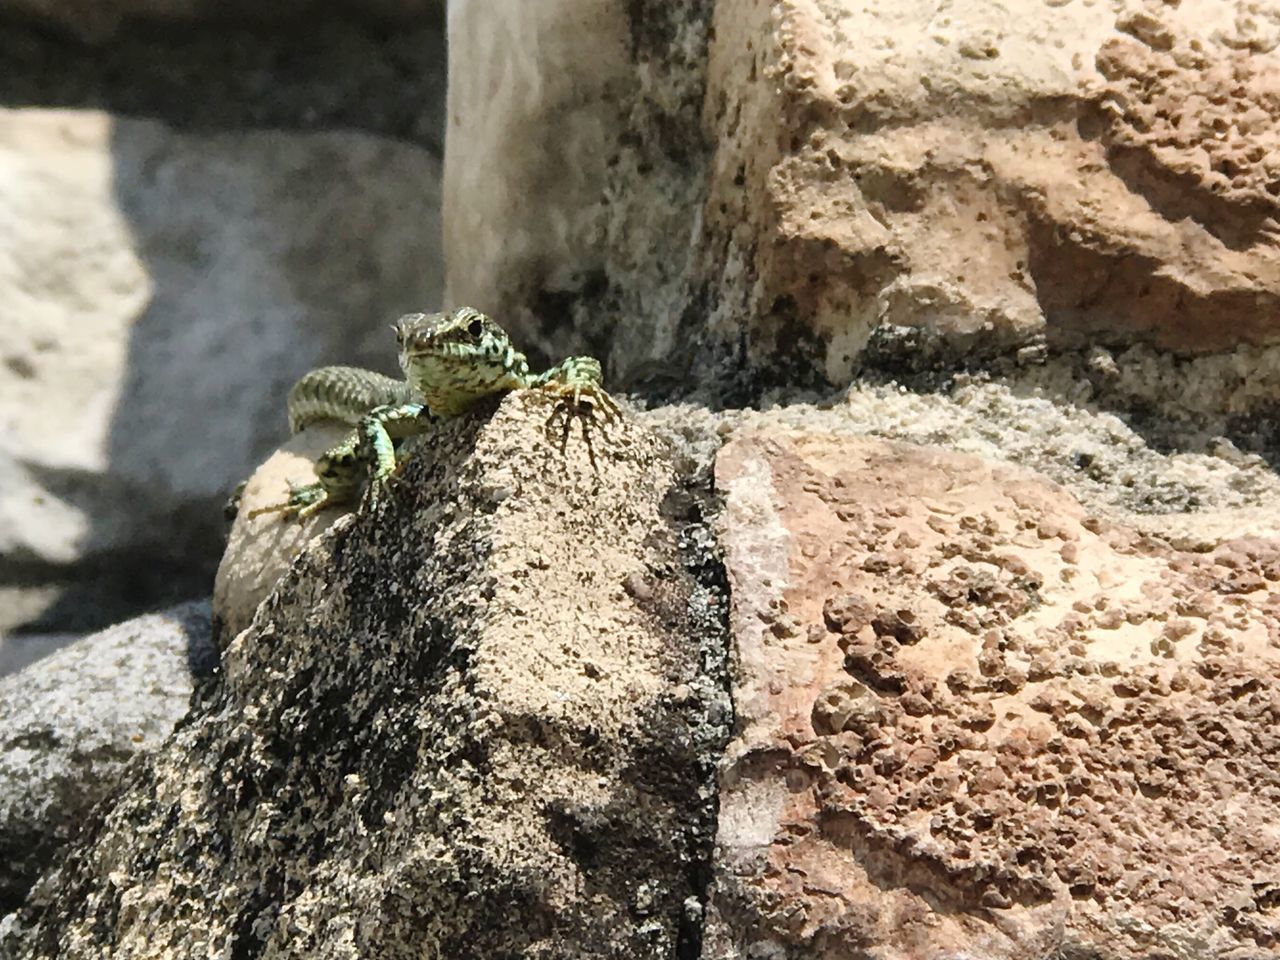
(344, 394)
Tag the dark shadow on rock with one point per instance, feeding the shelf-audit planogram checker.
(320, 72)
(107, 585)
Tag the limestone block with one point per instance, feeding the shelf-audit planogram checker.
(260, 549)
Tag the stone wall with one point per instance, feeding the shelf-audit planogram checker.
(921, 604)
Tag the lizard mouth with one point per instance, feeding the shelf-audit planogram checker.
(433, 349)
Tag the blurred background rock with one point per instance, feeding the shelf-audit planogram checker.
(200, 202)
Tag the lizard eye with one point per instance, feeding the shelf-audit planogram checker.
(475, 328)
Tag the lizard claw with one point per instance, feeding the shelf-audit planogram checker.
(594, 396)
(379, 490)
(231, 508)
(304, 500)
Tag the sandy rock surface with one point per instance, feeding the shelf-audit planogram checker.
(261, 549)
(975, 719)
(479, 721)
(71, 721)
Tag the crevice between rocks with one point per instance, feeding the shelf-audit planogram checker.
(691, 506)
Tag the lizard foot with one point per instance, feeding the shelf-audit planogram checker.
(567, 412)
(232, 507)
(380, 489)
(304, 500)
(583, 395)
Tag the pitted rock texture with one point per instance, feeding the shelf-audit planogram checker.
(1203, 121)
(976, 720)
(471, 722)
(71, 721)
(777, 186)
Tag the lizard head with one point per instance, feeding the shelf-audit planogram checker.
(455, 358)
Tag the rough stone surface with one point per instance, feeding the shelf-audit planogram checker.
(97, 22)
(1198, 493)
(159, 291)
(70, 722)
(976, 720)
(480, 720)
(774, 187)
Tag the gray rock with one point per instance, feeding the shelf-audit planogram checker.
(168, 288)
(69, 724)
(20, 650)
(480, 720)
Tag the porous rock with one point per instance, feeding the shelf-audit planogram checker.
(780, 186)
(1000, 727)
(473, 721)
(71, 721)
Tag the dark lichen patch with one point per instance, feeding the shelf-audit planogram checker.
(674, 35)
(418, 742)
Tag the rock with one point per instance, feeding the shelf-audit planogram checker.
(99, 22)
(260, 549)
(162, 290)
(794, 190)
(1042, 767)
(451, 728)
(70, 723)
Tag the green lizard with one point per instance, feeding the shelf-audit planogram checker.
(450, 360)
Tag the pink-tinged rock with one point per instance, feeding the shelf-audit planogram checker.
(992, 750)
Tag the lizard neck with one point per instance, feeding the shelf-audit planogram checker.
(450, 384)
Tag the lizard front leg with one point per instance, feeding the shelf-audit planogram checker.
(366, 455)
(378, 431)
(575, 378)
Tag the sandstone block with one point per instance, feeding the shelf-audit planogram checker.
(1000, 726)
(774, 187)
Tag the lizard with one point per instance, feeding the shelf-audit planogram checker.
(450, 361)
